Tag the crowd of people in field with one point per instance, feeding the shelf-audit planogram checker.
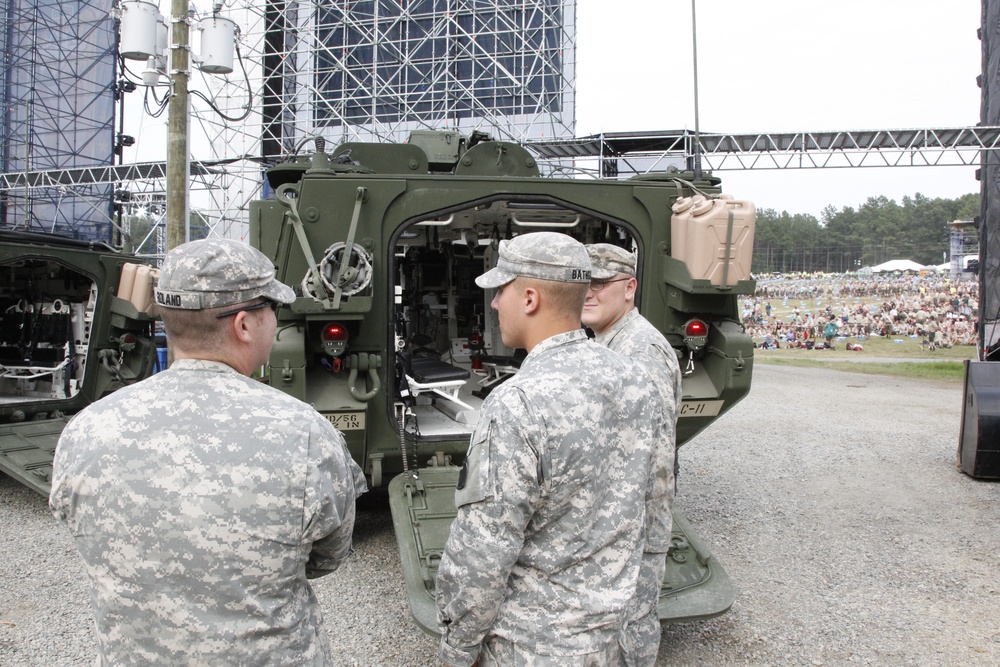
(815, 311)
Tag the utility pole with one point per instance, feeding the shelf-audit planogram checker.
(177, 125)
(697, 133)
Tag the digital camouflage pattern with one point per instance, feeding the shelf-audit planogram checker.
(640, 637)
(551, 502)
(200, 501)
(541, 255)
(498, 652)
(634, 337)
(211, 273)
(608, 260)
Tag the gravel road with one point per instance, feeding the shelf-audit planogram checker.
(831, 498)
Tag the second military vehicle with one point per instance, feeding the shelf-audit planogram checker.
(391, 339)
(74, 326)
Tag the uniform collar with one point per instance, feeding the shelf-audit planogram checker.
(616, 328)
(202, 365)
(559, 339)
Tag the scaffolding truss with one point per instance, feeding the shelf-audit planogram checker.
(59, 91)
(375, 70)
(346, 70)
(625, 154)
(366, 70)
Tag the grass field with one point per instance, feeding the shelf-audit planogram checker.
(952, 371)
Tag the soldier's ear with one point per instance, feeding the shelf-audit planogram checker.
(530, 300)
(630, 287)
(240, 327)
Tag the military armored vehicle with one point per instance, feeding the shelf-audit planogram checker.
(391, 339)
(66, 339)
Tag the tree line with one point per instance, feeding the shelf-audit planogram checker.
(848, 239)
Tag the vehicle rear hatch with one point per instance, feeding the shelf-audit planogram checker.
(26, 451)
(423, 505)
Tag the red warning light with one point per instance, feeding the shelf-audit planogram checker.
(333, 339)
(695, 329)
(334, 332)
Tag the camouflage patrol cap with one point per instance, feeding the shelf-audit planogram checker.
(212, 273)
(610, 260)
(542, 255)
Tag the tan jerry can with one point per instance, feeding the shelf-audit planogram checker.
(127, 281)
(714, 238)
(142, 290)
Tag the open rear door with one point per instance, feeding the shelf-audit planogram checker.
(66, 341)
(423, 505)
(26, 451)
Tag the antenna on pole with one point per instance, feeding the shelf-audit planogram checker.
(697, 139)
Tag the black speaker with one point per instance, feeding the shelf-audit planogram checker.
(979, 439)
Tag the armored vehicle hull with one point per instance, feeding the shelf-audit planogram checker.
(395, 344)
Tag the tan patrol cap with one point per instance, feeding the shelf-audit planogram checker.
(542, 255)
(212, 273)
(609, 260)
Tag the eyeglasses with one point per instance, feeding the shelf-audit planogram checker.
(273, 305)
(598, 285)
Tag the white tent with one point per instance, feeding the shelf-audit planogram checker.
(897, 265)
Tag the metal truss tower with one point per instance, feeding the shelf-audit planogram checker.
(58, 85)
(345, 70)
(363, 70)
(378, 69)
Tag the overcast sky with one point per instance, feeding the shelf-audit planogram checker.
(776, 66)
(787, 66)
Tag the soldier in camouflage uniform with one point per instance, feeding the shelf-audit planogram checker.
(610, 311)
(200, 499)
(543, 557)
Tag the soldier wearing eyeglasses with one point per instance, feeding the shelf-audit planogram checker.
(200, 499)
(610, 310)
